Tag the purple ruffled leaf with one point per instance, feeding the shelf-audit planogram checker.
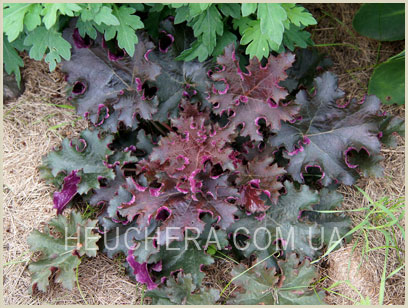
(182, 155)
(141, 271)
(248, 97)
(147, 85)
(335, 141)
(69, 190)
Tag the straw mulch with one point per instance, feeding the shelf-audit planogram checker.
(28, 200)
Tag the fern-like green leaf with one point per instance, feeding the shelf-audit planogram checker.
(52, 10)
(12, 61)
(125, 32)
(48, 42)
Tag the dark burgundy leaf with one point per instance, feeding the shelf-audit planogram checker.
(172, 208)
(182, 155)
(339, 140)
(248, 97)
(112, 88)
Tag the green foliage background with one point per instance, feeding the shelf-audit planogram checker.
(260, 28)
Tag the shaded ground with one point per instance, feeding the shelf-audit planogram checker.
(30, 132)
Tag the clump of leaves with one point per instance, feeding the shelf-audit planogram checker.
(264, 27)
(183, 156)
(37, 28)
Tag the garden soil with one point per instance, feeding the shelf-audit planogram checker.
(32, 127)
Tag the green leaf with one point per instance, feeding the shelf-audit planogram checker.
(156, 18)
(297, 278)
(19, 43)
(89, 10)
(298, 15)
(254, 287)
(381, 21)
(125, 32)
(50, 43)
(104, 15)
(86, 28)
(197, 50)
(186, 257)
(230, 9)
(12, 61)
(87, 156)
(207, 26)
(241, 24)
(398, 56)
(17, 15)
(61, 253)
(248, 8)
(139, 7)
(94, 15)
(197, 8)
(272, 16)
(177, 5)
(223, 41)
(51, 10)
(156, 7)
(211, 250)
(33, 18)
(258, 43)
(99, 13)
(262, 285)
(296, 37)
(388, 81)
(182, 15)
(204, 6)
(388, 126)
(334, 225)
(179, 291)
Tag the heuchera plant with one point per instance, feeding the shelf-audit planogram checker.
(219, 151)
